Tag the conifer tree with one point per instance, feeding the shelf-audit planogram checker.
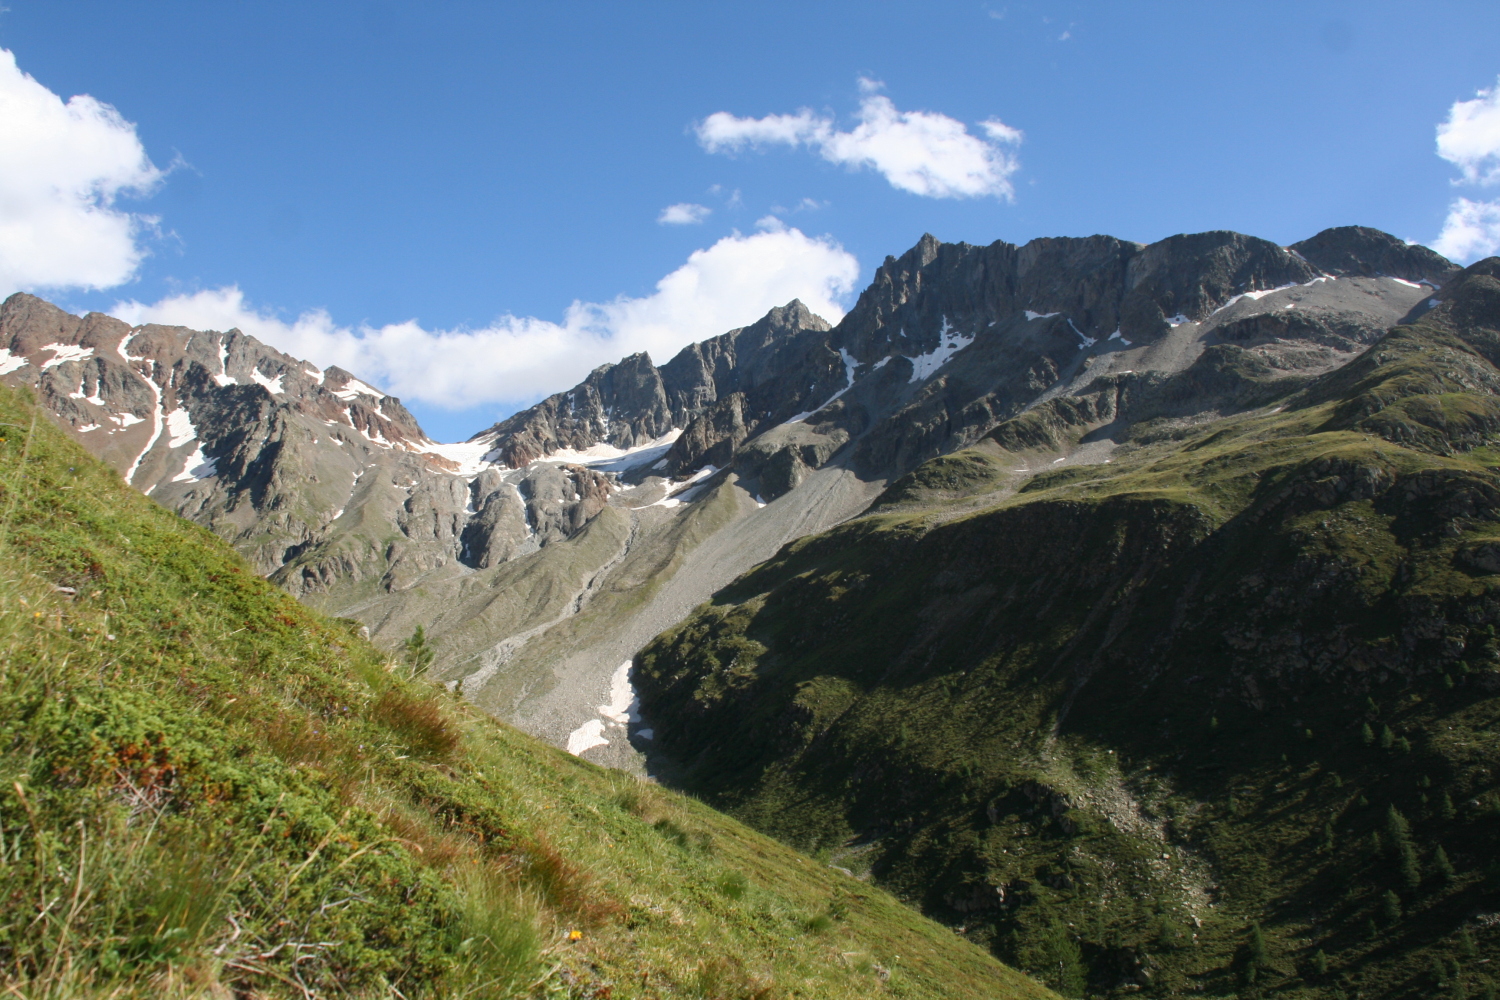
(1396, 826)
(1445, 807)
(418, 652)
(1328, 838)
(1443, 865)
(1407, 864)
(1366, 734)
(1390, 907)
(1466, 943)
(1259, 958)
(1320, 963)
(1387, 738)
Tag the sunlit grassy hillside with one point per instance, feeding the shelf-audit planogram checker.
(207, 789)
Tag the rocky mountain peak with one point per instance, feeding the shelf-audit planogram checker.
(1358, 250)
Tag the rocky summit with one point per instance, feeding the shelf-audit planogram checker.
(1128, 608)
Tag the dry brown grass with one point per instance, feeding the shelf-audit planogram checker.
(419, 721)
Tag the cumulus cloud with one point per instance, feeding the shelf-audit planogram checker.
(62, 167)
(1471, 231)
(515, 360)
(922, 152)
(1470, 140)
(683, 214)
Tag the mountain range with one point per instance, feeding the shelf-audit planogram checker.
(1055, 586)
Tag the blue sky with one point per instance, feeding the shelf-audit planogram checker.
(423, 190)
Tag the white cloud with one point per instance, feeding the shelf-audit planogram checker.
(1471, 231)
(923, 152)
(518, 359)
(1470, 138)
(62, 166)
(683, 214)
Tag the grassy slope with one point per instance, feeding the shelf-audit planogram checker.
(208, 789)
(1133, 698)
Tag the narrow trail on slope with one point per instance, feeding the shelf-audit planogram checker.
(506, 649)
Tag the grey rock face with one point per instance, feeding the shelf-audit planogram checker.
(634, 402)
(1349, 251)
(321, 480)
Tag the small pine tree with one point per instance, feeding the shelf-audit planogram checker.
(1443, 865)
(1260, 958)
(1363, 802)
(1448, 682)
(1319, 963)
(1445, 807)
(1390, 907)
(1371, 707)
(1407, 864)
(1366, 734)
(1466, 946)
(1387, 738)
(1371, 931)
(1213, 723)
(1439, 972)
(418, 652)
(1403, 744)
(1424, 782)
(1396, 826)
(1329, 840)
(1377, 845)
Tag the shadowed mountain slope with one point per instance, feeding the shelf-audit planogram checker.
(1218, 690)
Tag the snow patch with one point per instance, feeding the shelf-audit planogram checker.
(180, 427)
(88, 427)
(607, 458)
(224, 378)
(1087, 341)
(1177, 320)
(882, 362)
(271, 385)
(686, 492)
(156, 427)
(8, 363)
(354, 387)
(586, 737)
(127, 419)
(950, 342)
(624, 706)
(1117, 336)
(1261, 293)
(1403, 281)
(471, 456)
(66, 352)
(1036, 315)
(199, 466)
